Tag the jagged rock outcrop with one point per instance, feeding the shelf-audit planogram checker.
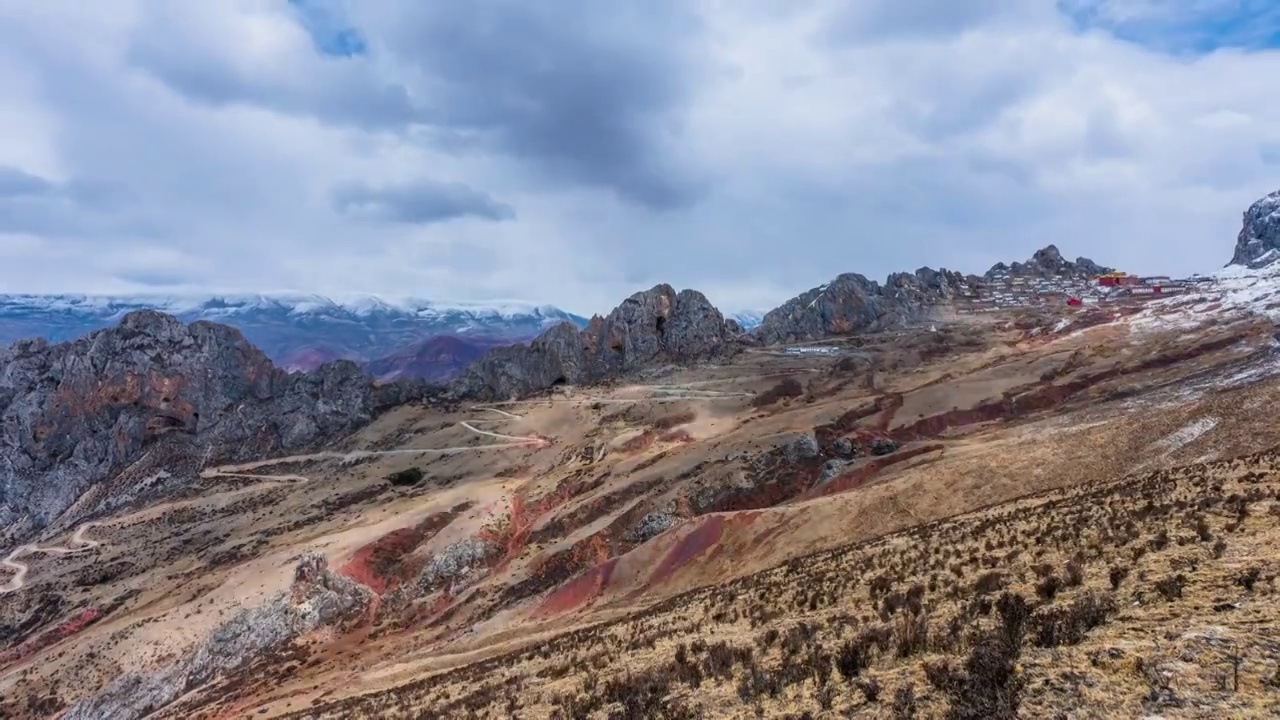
(1258, 244)
(1048, 262)
(76, 413)
(318, 597)
(851, 304)
(657, 325)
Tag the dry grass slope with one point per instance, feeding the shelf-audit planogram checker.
(1152, 595)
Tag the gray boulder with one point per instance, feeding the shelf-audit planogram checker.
(883, 446)
(653, 524)
(453, 562)
(832, 469)
(1258, 244)
(804, 447)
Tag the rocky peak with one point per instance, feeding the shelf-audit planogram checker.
(1045, 263)
(74, 414)
(656, 325)
(1258, 244)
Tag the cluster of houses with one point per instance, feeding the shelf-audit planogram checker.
(1005, 290)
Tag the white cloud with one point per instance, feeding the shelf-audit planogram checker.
(750, 150)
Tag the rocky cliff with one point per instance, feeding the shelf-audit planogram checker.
(657, 325)
(1258, 244)
(75, 414)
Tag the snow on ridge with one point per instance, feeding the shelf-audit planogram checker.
(1233, 291)
(216, 305)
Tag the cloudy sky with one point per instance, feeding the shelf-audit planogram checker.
(575, 151)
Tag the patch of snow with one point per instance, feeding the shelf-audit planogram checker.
(1186, 434)
(1234, 292)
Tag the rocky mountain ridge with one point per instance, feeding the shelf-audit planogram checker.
(657, 325)
(75, 414)
(851, 303)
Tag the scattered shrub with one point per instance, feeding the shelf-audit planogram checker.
(786, 388)
(989, 582)
(1048, 588)
(1068, 624)
(1171, 587)
(1073, 572)
(870, 689)
(1117, 575)
(1248, 578)
(411, 476)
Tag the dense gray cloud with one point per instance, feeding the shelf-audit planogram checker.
(573, 152)
(421, 202)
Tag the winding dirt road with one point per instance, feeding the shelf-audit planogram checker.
(79, 543)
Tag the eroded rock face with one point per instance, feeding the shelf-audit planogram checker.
(76, 413)
(1259, 242)
(318, 597)
(657, 325)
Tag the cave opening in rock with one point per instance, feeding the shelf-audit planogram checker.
(662, 324)
(559, 381)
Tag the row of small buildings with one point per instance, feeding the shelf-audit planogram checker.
(1004, 290)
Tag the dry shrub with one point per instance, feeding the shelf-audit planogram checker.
(786, 388)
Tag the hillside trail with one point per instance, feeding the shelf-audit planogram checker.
(79, 543)
(662, 393)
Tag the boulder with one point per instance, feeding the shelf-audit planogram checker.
(832, 469)
(883, 446)
(804, 447)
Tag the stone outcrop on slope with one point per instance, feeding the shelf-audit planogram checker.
(318, 597)
(657, 325)
(77, 413)
(1258, 244)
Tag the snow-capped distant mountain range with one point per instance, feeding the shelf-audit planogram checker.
(749, 319)
(297, 331)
